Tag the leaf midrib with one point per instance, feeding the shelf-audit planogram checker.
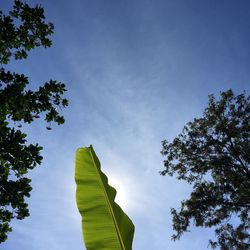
(108, 202)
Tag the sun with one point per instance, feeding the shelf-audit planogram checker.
(122, 197)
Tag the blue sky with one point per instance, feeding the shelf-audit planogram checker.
(136, 72)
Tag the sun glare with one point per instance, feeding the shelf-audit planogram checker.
(122, 197)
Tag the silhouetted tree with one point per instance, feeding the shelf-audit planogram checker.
(213, 154)
(21, 30)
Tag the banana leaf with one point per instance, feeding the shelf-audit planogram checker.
(104, 224)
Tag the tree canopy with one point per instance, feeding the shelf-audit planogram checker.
(213, 154)
(22, 29)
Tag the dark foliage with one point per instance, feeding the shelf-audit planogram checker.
(213, 154)
(21, 30)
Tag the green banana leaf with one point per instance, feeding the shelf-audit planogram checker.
(104, 224)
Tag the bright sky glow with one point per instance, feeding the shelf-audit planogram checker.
(136, 71)
(122, 196)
